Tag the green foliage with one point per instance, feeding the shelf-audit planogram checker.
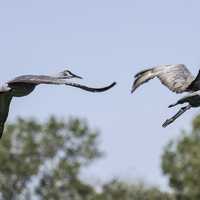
(117, 190)
(62, 185)
(44, 160)
(181, 163)
(60, 148)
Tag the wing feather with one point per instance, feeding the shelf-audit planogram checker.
(176, 77)
(37, 79)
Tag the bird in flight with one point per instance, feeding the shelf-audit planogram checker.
(24, 85)
(178, 79)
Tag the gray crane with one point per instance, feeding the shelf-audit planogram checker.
(24, 85)
(178, 79)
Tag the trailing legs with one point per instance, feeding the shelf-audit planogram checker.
(178, 114)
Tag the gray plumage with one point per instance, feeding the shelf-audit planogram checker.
(24, 85)
(178, 79)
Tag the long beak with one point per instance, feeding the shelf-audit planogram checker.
(90, 89)
(75, 76)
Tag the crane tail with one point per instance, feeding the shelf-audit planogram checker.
(142, 77)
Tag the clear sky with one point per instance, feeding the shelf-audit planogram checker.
(104, 41)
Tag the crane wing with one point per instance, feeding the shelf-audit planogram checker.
(176, 77)
(42, 79)
(37, 79)
(5, 99)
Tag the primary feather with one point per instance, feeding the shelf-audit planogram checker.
(176, 77)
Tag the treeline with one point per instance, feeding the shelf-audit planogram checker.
(44, 160)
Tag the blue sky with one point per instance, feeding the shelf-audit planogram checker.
(104, 41)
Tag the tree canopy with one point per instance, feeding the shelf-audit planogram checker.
(120, 190)
(46, 157)
(181, 163)
(44, 161)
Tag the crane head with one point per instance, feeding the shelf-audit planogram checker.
(67, 74)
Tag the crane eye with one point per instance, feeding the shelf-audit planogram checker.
(68, 74)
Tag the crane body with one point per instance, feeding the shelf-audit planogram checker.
(176, 78)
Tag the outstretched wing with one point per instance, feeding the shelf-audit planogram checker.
(5, 99)
(42, 79)
(37, 79)
(176, 77)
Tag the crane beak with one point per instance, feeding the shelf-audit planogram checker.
(75, 76)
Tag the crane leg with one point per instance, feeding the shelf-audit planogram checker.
(172, 105)
(178, 102)
(178, 114)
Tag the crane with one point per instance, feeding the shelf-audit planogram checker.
(24, 85)
(176, 78)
